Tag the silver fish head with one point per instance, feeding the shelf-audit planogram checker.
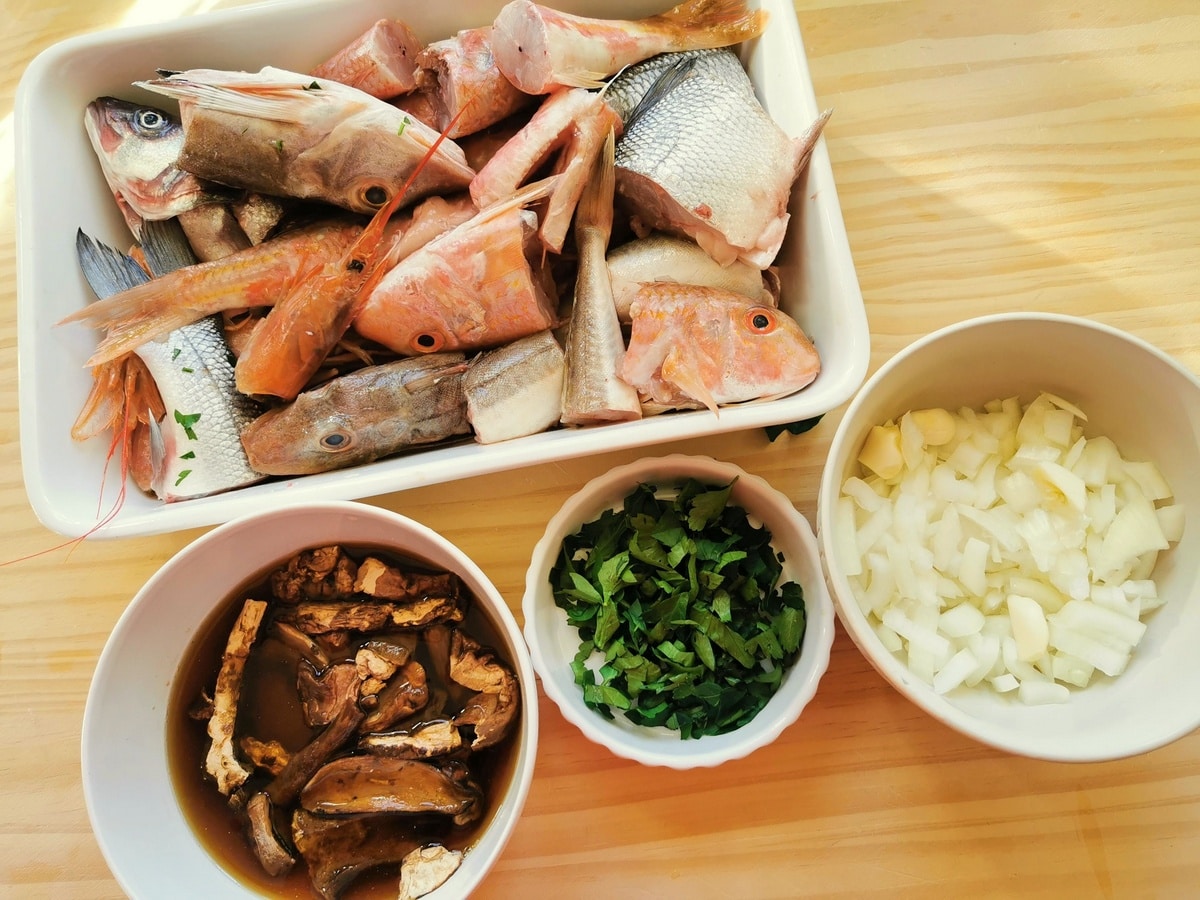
(138, 148)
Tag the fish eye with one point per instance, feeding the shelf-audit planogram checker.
(337, 440)
(761, 320)
(427, 342)
(150, 119)
(375, 195)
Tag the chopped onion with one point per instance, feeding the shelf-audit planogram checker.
(1000, 547)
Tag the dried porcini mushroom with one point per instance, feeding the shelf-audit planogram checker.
(377, 579)
(350, 785)
(375, 681)
(493, 708)
(272, 853)
(326, 573)
(221, 761)
(427, 869)
(405, 693)
(270, 756)
(428, 741)
(325, 617)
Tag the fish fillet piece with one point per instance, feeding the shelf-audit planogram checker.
(593, 391)
(470, 288)
(701, 157)
(281, 132)
(461, 72)
(664, 257)
(382, 61)
(546, 131)
(585, 141)
(515, 390)
(539, 48)
(694, 345)
(366, 415)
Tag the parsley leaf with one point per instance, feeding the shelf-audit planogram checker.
(682, 619)
(188, 422)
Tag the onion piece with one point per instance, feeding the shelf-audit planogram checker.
(1004, 549)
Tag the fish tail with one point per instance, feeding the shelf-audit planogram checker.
(705, 24)
(594, 211)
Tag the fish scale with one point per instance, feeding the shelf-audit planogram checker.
(703, 158)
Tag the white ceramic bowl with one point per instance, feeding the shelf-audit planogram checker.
(60, 189)
(126, 780)
(1144, 401)
(553, 642)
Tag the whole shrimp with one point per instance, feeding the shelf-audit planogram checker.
(289, 345)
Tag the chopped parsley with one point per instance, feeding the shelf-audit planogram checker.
(187, 423)
(313, 87)
(404, 123)
(191, 454)
(175, 353)
(278, 145)
(774, 431)
(187, 370)
(182, 475)
(681, 598)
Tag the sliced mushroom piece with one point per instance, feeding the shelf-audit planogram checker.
(271, 756)
(377, 579)
(338, 849)
(322, 694)
(272, 853)
(325, 573)
(377, 661)
(493, 708)
(405, 693)
(293, 637)
(428, 741)
(491, 714)
(381, 784)
(437, 642)
(221, 760)
(323, 617)
(286, 786)
(426, 870)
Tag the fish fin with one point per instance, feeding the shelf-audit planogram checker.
(669, 79)
(531, 193)
(687, 378)
(714, 23)
(241, 94)
(581, 78)
(595, 207)
(158, 455)
(107, 270)
(431, 379)
(166, 247)
(808, 141)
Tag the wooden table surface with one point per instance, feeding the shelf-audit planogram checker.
(1020, 155)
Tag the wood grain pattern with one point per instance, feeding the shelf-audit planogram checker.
(1029, 154)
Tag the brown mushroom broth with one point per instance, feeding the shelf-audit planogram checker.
(270, 708)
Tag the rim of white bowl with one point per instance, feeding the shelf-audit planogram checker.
(887, 664)
(522, 776)
(711, 750)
